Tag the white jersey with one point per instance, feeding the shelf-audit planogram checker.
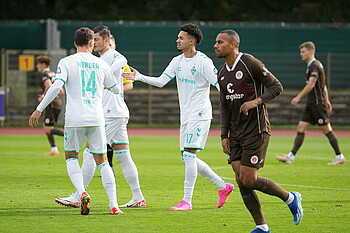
(193, 77)
(85, 77)
(114, 105)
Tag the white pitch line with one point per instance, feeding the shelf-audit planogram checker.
(294, 185)
(297, 185)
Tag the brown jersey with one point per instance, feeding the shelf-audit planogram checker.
(316, 95)
(245, 81)
(49, 75)
(45, 75)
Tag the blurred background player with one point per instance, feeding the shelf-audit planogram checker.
(317, 105)
(116, 114)
(112, 44)
(52, 111)
(85, 77)
(245, 86)
(194, 73)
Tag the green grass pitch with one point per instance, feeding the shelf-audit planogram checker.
(31, 181)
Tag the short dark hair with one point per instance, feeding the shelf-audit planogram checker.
(44, 59)
(233, 35)
(82, 36)
(193, 30)
(308, 44)
(103, 31)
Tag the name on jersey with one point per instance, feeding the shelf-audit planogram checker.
(89, 65)
(89, 101)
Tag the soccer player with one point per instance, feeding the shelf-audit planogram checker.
(194, 73)
(245, 86)
(85, 77)
(116, 114)
(112, 44)
(317, 106)
(53, 109)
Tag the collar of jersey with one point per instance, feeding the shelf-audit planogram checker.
(310, 62)
(234, 64)
(191, 58)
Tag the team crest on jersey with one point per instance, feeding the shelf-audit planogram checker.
(254, 159)
(239, 74)
(58, 70)
(215, 71)
(265, 71)
(230, 88)
(320, 121)
(193, 70)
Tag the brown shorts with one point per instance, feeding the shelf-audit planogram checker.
(51, 115)
(250, 151)
(315, 114)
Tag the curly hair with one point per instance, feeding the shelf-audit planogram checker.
(193, 30)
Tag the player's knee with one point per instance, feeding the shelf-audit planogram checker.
(47, 130)
(247, 181)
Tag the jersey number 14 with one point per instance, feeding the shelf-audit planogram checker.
(90, 85)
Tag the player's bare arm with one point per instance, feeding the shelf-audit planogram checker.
(225, 143)
(249, 105)
(308, 87)
(128, 86)
(34, 118)
(326, 96)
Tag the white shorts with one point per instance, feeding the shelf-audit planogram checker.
(116, 130)
(194, 134)
(74, 138)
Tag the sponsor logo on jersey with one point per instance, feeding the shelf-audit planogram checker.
(230, 88)
(254, 159)
(58, 70)
(193, 70)
(185, 80)
(265, 71)
(234, 96)
(239, 74)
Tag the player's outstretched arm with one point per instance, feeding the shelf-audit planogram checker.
(154, 81)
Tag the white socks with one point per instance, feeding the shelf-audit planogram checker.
(290, 199)
(108, 182)
(54, 149)
(263, 227)
(130, 172)
(209, 174)
(190, 175)
(75, 175)
(88, 167)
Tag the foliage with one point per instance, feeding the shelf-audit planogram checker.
(183, 10)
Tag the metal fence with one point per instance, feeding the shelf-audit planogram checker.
(20, 87)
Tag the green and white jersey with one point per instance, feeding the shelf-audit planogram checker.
(114, 105)
(85, 77)
(193, 77)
